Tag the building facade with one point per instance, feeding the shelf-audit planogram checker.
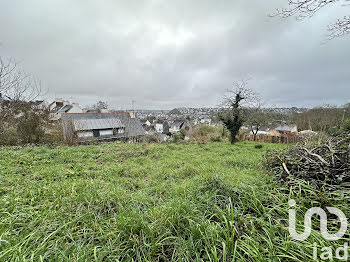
(85, 127)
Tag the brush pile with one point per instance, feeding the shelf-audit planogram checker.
(322, 164)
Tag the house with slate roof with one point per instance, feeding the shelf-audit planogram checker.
(60, 106)
(176, 126)
(84, 127)
(284, 130)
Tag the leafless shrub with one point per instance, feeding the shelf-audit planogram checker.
(16, 88)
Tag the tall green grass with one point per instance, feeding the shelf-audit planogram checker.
(120, 202)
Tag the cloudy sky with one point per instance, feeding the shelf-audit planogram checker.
(183, 53)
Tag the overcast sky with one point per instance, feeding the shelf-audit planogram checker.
(184, 53)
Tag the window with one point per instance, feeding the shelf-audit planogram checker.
(118, 131)
(96, 133)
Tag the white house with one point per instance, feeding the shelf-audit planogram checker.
(60, 106)
(159, 126)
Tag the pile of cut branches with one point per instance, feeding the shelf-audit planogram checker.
(324, 164)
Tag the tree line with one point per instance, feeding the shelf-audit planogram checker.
(242, 106)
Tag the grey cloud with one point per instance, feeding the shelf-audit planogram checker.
(165, 54)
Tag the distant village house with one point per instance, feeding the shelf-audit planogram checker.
(85, 127)
(60, 106)
(176, 126)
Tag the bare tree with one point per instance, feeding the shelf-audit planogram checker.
(100, 106)
(234, 105)
(16, 88)
(69, 127)
(321, 119)
(256, 118)
(307, 8)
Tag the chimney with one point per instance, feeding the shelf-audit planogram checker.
(104, 110)
(132, 113)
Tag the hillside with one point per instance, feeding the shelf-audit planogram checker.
(143, 202)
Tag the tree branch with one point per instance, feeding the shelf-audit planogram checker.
(307, 8)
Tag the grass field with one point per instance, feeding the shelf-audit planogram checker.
(145, 202)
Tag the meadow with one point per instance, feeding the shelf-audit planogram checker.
(147, 202)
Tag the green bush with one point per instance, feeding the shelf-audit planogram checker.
(346, 126)
(151, 138)
(8, 136)
(27, 125)
(215, 138)
(178, 136)
(30, 127)
(53, 137)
